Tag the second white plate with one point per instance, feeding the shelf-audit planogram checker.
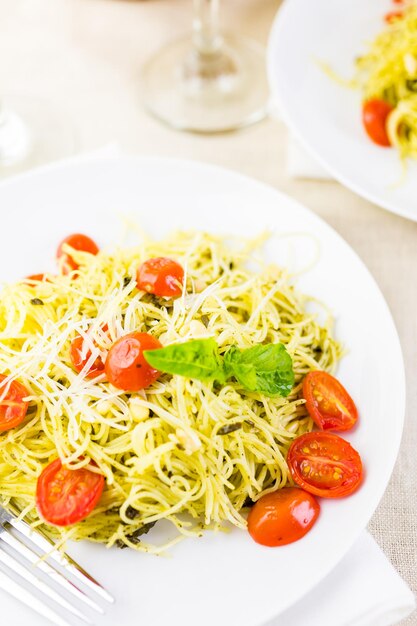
(325, 116)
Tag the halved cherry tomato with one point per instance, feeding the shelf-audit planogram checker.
(374, 117)
(161, 276)
(78, 242)
(126, 367)
(282, 517)
(79, 358)
(12, 406)
(325, 464)
(36, 277)
(328, 402)
(392, 16)
(65, 496)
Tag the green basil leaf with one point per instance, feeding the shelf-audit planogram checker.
(267, 357)
(230, 358)
(278, 383)
(263, 368)
(198, 358)
(266, 368)
(245, 373)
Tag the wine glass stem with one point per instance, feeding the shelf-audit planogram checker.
(2, 112)
(206, 32)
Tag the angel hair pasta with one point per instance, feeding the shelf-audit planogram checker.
(185, 450)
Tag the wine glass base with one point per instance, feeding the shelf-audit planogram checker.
(32, 133)
(209, 93)
(15, 142)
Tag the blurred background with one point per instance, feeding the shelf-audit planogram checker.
(84, 57)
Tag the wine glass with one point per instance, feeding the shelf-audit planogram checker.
(207, 82)
(31, 133)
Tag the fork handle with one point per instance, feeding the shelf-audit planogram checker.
(23, 595)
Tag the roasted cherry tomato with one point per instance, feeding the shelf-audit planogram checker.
(12, 406)
(328, 402)
(79, 358)
(65, 496)
(78, 242)
(161, 276)
(392, 16)
(126, 367)
(325, 465)
(374, 117)
(282, 517)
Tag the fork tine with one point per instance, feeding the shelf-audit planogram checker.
(65, 560)
(31, 578)
(20, 593)
(54, 574)
(78, 572)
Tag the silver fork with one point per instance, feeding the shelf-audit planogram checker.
(21, 549)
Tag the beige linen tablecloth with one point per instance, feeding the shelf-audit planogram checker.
(85, 57)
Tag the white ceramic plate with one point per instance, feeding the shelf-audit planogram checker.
(325, 116)
(222, 578)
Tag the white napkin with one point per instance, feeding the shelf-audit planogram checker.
(300, 163)
(364, 589)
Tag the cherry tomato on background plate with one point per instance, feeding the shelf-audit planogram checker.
(328, 402)
(393, 16)
(161, 276)
(282, 517)
(12, 406)
(126, 367)
(65, 496)
(39, 278)
(79, 358)
(325, 465)
(374, 117)
(77, 241)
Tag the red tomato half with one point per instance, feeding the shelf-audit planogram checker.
(78, 242)
(374, 117)
(161, 276)
(325, 465)
(12, 406)
(79, 358)
(126, 367)
(328, 402)
(65, 496)
(392, 16)
(282, 517)
(36, 278)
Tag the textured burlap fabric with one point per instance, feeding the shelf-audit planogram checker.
(85, 56)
